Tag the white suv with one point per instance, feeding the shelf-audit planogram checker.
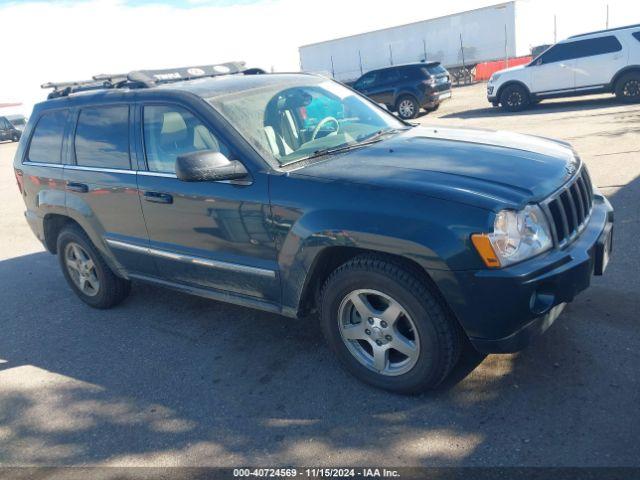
(605, 61)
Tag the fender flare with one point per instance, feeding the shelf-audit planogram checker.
(307, 242)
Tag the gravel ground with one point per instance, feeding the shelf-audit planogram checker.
(168, 379)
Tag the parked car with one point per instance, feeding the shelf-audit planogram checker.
(598, 62)
(8, 131)
(406, 89)
(404, 239)
(18, 121)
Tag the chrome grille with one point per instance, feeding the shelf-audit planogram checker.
(569, 209)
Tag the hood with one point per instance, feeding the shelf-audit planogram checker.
(509, 70)
(484, 168)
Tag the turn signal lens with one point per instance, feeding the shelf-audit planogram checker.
(485, 249)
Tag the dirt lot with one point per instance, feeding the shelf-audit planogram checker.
(167, 379)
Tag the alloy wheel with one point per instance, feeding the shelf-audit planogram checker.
(378, 332)
(631, 88)
(81, 269)
(406, 108)
(514, 99)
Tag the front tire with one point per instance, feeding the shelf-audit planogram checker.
(515, 98)
(86, 271)
(407, 107)
(628, 88)
(387, 327)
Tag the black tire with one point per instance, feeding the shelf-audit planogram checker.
(112, 289)
(407, 107)
(439, 334)
(628, 88)
(515, 98)
(15, 138)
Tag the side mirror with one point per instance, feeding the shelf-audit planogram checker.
(208, 166)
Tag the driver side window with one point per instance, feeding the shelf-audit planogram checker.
(170, 131)
(367, 81)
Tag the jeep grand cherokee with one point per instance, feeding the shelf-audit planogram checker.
(241, 188)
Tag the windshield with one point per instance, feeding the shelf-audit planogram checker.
(298, 119)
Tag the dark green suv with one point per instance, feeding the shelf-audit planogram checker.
(293, 194)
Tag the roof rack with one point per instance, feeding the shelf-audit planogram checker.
(148, 78)
(605, 31)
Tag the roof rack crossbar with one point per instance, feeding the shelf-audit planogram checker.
(62, 85)
(147, 78)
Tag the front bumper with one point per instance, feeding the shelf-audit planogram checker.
(502, 310)
(492, 92)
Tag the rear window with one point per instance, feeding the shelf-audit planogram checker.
(102, 137)
(582, 48)
(436, 69)
(46, 142)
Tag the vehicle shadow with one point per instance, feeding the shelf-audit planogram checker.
(169, 379)
(544, 107)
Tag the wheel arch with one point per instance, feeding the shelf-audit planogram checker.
(405, 93)
(53, 224)
(623, 71)
(331, 258)
(509, 83)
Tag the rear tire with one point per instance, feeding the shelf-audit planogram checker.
(407, 107)
(15, 138)
(628, 88)
(357, 302)
(514, 98)
(86, 271)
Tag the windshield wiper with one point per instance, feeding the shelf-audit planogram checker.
(376, 137)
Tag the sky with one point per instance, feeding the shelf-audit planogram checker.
(75, 39)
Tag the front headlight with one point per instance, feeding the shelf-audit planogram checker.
(516, 236)
(494, 77)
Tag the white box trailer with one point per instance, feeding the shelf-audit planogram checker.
(462, 39)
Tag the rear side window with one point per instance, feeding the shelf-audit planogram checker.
(414, 73)
(582, 48)
(46, 142)
(389, 76)
(102, 137)
(170, 131)
(436, 69)
(637, 35)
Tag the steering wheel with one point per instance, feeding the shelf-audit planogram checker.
(322, 123)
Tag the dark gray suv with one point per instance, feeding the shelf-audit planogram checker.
(294, 194)
(406, 89)
(8, 131)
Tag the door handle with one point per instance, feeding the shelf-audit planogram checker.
(158, 197)
(77, 187)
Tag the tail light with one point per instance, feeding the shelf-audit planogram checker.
(431, 81)
(20, 180)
